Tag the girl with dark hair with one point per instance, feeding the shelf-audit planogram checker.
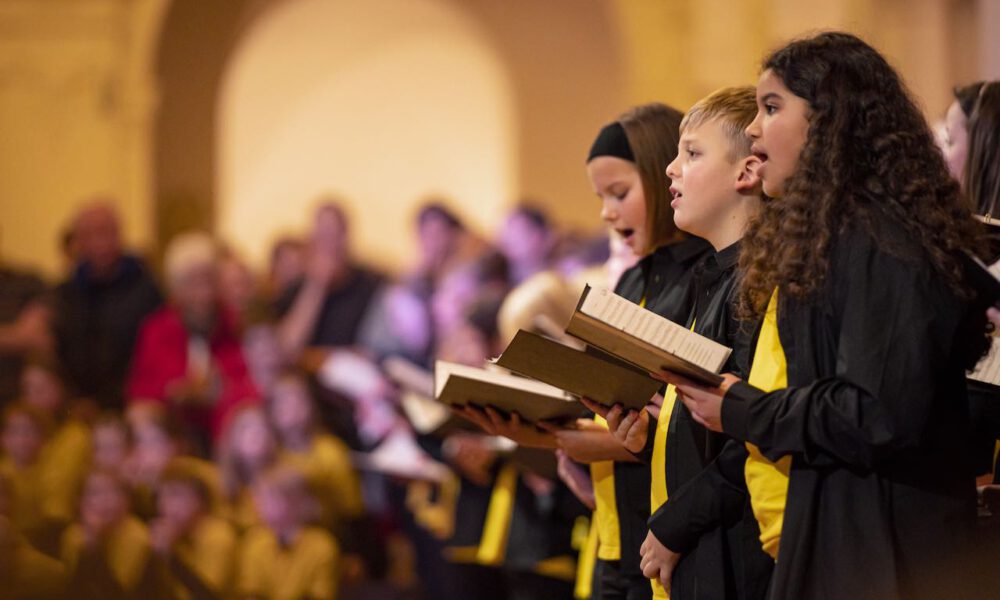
(981, 179)
(861, 465)
(955, 142)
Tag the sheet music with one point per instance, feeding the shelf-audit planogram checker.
(653, 329)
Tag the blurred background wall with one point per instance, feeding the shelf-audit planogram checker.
(238, 115)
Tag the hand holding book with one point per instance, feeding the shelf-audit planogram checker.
(628, 426)
(704, 402)
(512, 427)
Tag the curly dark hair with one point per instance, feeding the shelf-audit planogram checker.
(869, 155)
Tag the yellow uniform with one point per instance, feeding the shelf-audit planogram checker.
(327, 465)
(308, 568)
(126, 551)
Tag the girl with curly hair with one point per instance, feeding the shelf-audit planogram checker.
(859, 462)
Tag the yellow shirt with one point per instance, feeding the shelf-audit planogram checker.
(64, 462)
(210, 551)
(31, 573)
(327, 465)
(605, 519)
(127, 550)
(28, 493)
(306, 569)
(767, 481)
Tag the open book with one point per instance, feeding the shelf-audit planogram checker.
(595, 375)
(988, 369)
(985, 280)
(645, 339)
(459, 385)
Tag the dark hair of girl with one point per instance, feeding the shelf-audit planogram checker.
(869, 156)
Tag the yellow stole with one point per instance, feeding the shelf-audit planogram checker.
(767, 481)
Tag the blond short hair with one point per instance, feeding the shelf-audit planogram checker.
(733, 108)
(186, 252)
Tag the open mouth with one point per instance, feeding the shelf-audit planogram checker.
(759, 153)
(626, 233)
(676, 193)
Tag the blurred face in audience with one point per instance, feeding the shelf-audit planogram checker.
(288, 264)
(330, 234)
(179, 503)
(153, 448)
(236, 285)
(955, 142)
(103, 502)
(438, 241)
(454, 293)
(97, 239)
(22, 439)
(195, 293)
(522, 240)
(42, 389)
(291, 407)
(252, 440)
(262, 355)
(110, 446)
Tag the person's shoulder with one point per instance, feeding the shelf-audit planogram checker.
(258, 540)
(216, 532)
(25, 281)
(318, 542)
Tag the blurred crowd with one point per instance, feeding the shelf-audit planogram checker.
(196, 429)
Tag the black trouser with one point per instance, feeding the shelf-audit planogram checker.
(611, 584)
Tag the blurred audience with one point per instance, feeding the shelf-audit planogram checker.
(99, 309)
(188, 355)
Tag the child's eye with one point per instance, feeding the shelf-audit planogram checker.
(692, 154)
(770, 109)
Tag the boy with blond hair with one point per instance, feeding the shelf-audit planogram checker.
(716, 192)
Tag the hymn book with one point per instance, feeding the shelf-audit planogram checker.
(460, 385)
(597, 376)
(645, 339)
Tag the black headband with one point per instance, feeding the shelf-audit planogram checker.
(612, 141)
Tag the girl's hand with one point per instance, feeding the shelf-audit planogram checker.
(657, 561)
(705, 403)
(630, 428)
(492, 422)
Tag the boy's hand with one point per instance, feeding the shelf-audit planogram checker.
(658, 561)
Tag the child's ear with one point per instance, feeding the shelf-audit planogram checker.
(748, 179)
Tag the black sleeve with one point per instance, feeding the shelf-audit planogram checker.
(715, 497)
(894, 353)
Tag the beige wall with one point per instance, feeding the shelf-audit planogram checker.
(315, 101)
(81, 81)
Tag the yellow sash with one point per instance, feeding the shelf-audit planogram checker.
(768, 481)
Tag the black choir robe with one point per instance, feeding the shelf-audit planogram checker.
(716, 561)
(663, 281)
(881, 497)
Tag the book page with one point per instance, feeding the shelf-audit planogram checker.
(606, 306)
(988, 369)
